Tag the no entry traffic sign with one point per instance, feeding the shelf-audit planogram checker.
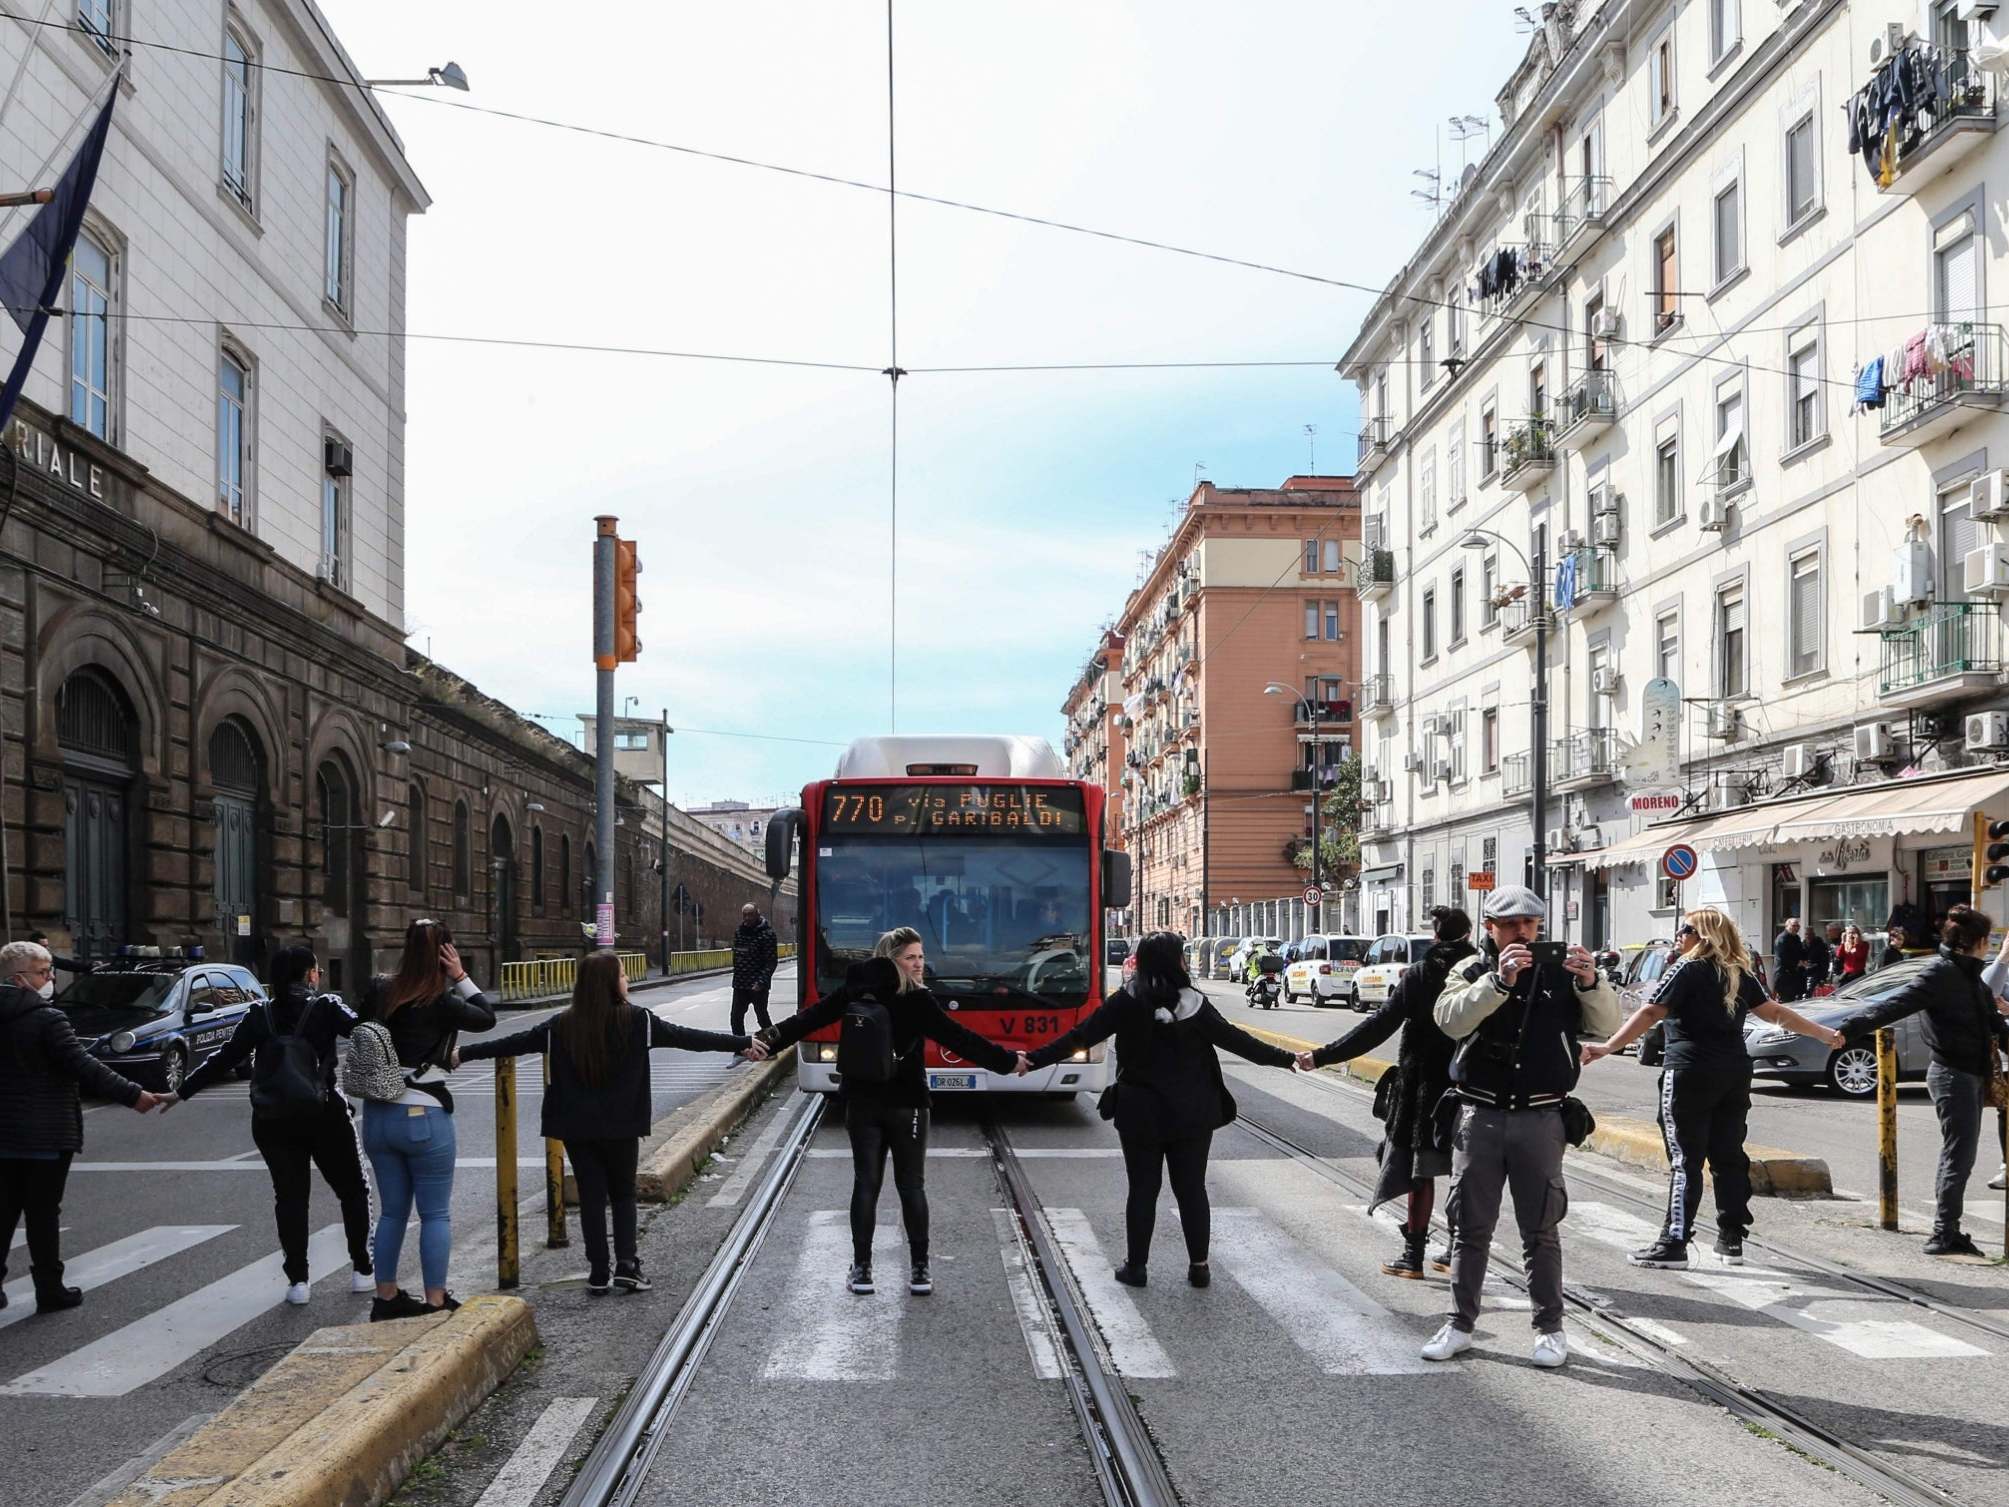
(1679, 862)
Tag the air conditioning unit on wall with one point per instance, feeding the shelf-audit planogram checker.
(1714, 517)
(1988, 496)
(1880, 609)
(1875, 743)
(1604, 681)
(1987, 731)
(1725, 721)
(1799, 761)
(1604, 324)
(1607, 529)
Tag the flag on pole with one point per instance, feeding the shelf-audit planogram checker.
(33, 268)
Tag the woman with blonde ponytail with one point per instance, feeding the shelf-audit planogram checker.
(1705, 1081)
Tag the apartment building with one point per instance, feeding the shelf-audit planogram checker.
(1093, 744)
(1624, 369)
(1216, 774)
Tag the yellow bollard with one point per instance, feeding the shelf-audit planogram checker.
(1886, 1128)
(507, 1265)
(555, 1237)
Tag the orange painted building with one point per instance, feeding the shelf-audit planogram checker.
(1253, 589)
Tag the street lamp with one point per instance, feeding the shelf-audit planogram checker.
(451, 76)
(1538, 703)
(1311, 715)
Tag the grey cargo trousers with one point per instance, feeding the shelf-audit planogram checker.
(1491, 1151)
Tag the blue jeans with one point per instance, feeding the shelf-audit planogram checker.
(412, 1155)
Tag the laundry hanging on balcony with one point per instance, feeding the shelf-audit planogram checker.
(1503, 272)
(1566, 582)
(1910, 90)
(1869, 386)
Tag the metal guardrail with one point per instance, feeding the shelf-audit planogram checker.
(538, 978)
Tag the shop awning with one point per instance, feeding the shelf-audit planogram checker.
(1896, 808)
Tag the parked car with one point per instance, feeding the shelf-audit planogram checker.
(1323, 969)
(1386, 957)
(1115, 950)
(1643, 973)
(151, 1018)
(1777, 1054)
(1238, 961)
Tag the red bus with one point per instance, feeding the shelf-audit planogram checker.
(987, 849)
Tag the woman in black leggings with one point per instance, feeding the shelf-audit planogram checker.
(891, 1117)
(1169, 1094)
(598, 1101)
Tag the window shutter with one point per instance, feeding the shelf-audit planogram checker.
(1958, 280)
(1806, 613)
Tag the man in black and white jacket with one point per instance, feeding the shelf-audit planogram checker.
(754, 957)
(1517, 1024)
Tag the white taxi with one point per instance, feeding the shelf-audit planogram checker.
(1324, 969)
(1383, 965)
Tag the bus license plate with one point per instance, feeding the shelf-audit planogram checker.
(952, 1080)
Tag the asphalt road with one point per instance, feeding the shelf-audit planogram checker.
(1808, 1121)
(168, 1224)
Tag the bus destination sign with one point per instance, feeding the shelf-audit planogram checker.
(930, 810)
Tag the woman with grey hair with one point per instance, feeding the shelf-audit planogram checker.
(42, 1064)
(887, 1009)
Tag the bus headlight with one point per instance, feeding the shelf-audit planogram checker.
(121, 1043)
(1087, 1054)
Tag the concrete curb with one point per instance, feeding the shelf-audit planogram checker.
(341, 1421)
(1774, 1173)
(683, 1141)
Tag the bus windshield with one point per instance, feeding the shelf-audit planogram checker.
(1001, 917)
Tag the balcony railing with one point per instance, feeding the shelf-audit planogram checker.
(1949, 650)
(1510, 278)
(1584, 206)
(1946, 367)
(1589, 404)
(1376, 576)
(1586, 758)
(1377, 695)
(1528, 453)
(1374, 433)
(1516, 775)
(1588, 579)
(1957, 111)
(1377, 819)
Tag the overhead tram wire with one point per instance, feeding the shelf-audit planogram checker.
(893, 191)
(892, 374)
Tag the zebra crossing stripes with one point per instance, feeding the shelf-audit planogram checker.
(108, 1263)
(1133, 1349)
(831, 1335)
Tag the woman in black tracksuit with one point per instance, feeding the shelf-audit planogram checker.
(891, 1117)
(1411, 1161)
(1705, 1082)
(598, 1101)
(290, 1147)
(1170, 1096)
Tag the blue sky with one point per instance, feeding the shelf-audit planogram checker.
(758, 494)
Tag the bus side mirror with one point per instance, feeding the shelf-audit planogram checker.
(1115, 881)
(781, 828)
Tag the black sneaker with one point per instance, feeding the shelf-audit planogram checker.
(1663, 1253)
(860, 1279)
(918, 1280)
(56, 1299)
(403, 1306)
(1199, 1274)
(1958, 1243)
(1731, 1249)
(1130, 1276)
(599, 1284)
(447, 1304)
(628, 1277)
(1441, 1262)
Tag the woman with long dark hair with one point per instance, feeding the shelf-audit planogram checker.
(1705, 1082)
(291, 1143)
(1169, 1095)
(890, 1116)
(410, 1139)
(1410, 1159)
(598, 1104)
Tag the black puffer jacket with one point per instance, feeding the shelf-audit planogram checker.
(328, 1020)
(42, 1065)
(754, 953)
(1423, 1059)
(916, 1015)
(1961, 1025)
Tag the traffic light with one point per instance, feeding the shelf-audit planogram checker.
(1991, 853)
(627, 605)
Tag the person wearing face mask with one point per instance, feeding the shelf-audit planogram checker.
(42, 1065)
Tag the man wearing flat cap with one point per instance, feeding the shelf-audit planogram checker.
(1517, 1021)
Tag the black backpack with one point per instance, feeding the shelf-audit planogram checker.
(286, 1081)
(865, 1042)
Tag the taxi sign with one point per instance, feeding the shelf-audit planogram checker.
(1679, 862)
(1479, 879)
(1313, 895)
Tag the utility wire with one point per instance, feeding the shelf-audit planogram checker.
(893, 375)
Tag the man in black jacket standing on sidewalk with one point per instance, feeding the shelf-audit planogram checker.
(1789, 959)
(41, 1123)
(754, 954)
(1518, 1020)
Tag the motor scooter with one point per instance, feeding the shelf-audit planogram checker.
(1266, 989)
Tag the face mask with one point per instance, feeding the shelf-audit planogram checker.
(48, 989)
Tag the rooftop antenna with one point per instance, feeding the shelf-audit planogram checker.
(1527, 21)
(1463, 129)
(1311, 449)
(1199, 470)
(1434, 194)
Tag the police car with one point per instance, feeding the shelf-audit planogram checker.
(151, 1014)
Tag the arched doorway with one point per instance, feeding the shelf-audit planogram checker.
(344, 938)
(502, 891)
(95, 730)
(236, 771)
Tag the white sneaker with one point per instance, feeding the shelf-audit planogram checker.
(1551, 1350)
(297, 1294)
(1447, 1342)
(2000, 1179)
(362, 1282)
